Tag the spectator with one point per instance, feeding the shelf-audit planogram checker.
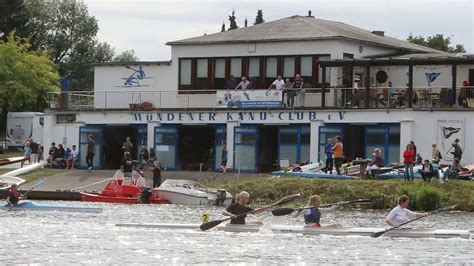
(408, 159)
(26, 153)
(51, 154)
(90, 152)
(412, 143)
(427, 171)
(67, 157)
(328, 150)
(34, 151)
(244, 84)
(156, 174)
(376, 163)
(152, 156)
(435, 154)
(453, 170)
(457, 153)
(464, 94)
(253, 83)
(286, 89)
(59, 156)
(224, 159)
(419, 159)
(338, 154)
(279, 83)
(127, 146)
(298, 88)
(71, 161)
(144, 156)
(230, 84)
(127, 165)
(40, 152)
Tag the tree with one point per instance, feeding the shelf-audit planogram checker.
(26, 77)
(126, 56)
(438, 42)
(223, 27)
(233, 21)
(259, 18)
(13, 17)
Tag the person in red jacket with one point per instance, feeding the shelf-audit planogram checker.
(408, 160)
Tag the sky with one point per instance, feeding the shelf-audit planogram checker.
(146, 25)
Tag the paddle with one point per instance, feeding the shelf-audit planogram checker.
(211, 224)
(286, 211)
(37, 184)
(377, 234)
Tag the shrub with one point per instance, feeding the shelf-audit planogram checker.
(411, 192)
(428, 198)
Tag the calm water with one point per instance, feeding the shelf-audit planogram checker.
(42, 237)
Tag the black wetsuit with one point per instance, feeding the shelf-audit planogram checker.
(237, 209)
(14, 197)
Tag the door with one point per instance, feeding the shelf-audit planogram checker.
(245, 148)
(325, 132)
(294, 143)
(386, 137)
(471, 78)
(220, 139)
(97, 133)
(166, 146)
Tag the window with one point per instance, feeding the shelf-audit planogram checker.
(288, 67)
(254, 70)
(65, 118)
(185, 74)
(202, 82)
(328, 70)
(270, 71)
(219, 73)
(307, 70)
(236, 67)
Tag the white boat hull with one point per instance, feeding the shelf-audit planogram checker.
(7, 181)
(188, 192)
(343, 231)
(177, 197)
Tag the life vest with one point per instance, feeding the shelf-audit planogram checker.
(313, 217)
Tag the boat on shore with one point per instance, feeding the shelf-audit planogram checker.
(11, 160)
(31, 206)
(115, 192)
(188, 192)
(342, 231)
(7, 181)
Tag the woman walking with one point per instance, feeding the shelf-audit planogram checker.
(408, 160)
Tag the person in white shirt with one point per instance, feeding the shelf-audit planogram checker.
(401, 214)
(71, 161)
(244, 84)
(278, 83)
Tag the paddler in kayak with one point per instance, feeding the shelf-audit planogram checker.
(401, 214)
(312, 215)
(13, 196)
(240, 207)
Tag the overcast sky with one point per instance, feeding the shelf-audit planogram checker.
(146, 25)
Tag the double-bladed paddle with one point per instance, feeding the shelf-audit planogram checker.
(37, 184)
(377, 234)
(286, 211)
(211, 224)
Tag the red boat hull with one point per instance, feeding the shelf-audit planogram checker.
(124, 200)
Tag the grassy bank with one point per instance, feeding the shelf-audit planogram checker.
(35, 175)
(427, 196)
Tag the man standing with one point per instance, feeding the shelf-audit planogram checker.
(34, 151)
(278, 83)
(338, 154)
(457, 153)
(328, 151)
(90, 152)
(435, 154)
(298, 86)
(244, 84)
(230, 83)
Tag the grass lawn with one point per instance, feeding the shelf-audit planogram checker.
(10, 153)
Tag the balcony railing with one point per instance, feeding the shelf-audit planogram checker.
(335, 98)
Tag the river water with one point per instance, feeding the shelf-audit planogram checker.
(66, 238)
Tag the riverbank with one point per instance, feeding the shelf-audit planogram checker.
(426, 196)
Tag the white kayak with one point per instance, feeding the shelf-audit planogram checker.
(224, 227)
(31, 206)
(343, 231)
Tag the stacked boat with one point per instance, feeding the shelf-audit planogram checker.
(188, 192)
(341, 231)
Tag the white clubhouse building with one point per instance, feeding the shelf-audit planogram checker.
(373, 90)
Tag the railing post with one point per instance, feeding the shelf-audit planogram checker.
(323, 88)
(410, 86)
(453, 85)
(367, 86)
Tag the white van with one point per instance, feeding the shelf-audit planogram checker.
(24, 125)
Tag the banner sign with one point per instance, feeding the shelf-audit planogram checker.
(449, 132)
(249, 99)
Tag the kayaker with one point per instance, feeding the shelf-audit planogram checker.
(240, 207)
(13, 196)
(401, 214)
(312, 215)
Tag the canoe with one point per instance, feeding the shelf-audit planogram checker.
(323, 175)
(11, 160)
(124, 200)
(31, 206)
(27, 169)
(343, 231)
(225, 227)
(367, 231)
(7, 181)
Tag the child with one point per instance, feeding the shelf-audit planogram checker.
(312, 215)
(26, 154)
(240, 207)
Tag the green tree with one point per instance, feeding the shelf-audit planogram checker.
(259, 18)
(13, 17)
(438, 42)
(233, 21)
(26, 77)
(223, 27)
(126, 56)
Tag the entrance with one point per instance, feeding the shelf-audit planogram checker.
(471, 79)
(196, 147)
(267, 149)
(353, 142)
(114, 137)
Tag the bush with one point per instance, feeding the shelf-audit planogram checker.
(429, 198)
(412, 193)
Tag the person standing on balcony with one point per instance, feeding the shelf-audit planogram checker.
(90, 152)
(296, 87)
(338, 154)
(278, 84)
(230, 84)
(244, 84)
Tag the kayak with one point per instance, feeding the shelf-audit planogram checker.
(31, 206)
(11, 160)
(343, 231)
(124, 200)
(323, 175)
(227, 227)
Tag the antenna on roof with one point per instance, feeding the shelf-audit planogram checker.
(309, 14)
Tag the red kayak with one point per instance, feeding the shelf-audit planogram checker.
(114, 192)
